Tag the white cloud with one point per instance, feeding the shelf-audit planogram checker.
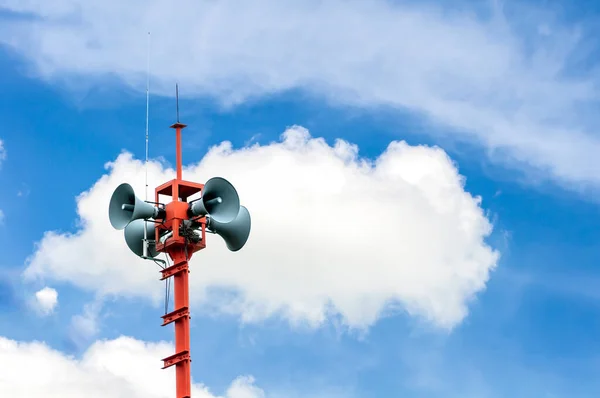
(24, 191)
(86, 325)
(332, 233)
(108, 369)
(2, 152)
(500, 82)
(46, 300)
(2, 158)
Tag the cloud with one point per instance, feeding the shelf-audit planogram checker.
(24, 192)
(519, 85)
(86, 326)
(2, 152)
(332, 234)
(2, 158)
(46, 300)
(108, 369)
(243, 387)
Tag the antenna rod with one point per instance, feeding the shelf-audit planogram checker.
(178, 126)
(147, 106)
(145, 243)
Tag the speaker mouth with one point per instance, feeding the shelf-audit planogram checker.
(119, 212)
(134, 237)
(125, 207)
(219, 200)
(235, 233)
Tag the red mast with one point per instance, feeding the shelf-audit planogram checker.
(180, 233)
(180, 249)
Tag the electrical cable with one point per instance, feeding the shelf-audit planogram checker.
(187, 232)
(167, 288)
(167, 295)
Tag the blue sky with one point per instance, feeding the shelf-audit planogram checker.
(522, 133)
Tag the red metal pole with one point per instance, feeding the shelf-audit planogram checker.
(178, 126)
(182, 327)
(181, 317)
(179, 271)
(178, 153)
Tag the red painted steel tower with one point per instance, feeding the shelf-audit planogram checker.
(179, 230)
(180, 249)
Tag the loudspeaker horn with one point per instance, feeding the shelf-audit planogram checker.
(235, 233)
(219, 200)
(134, 236)
(125, 207)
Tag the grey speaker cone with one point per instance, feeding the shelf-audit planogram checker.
(234, 233)
(219, 200)
(134, 237)
(125, 207)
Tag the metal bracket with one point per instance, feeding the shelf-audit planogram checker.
(176, 358)
(174, 269)
(158, 260)
(175, 315)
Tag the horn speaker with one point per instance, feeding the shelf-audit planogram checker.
(125, 207)
(234, 233)
(219, 200)
(134, 236)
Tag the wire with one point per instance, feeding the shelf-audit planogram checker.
(186, 248)
(147, 105)
(188, 234)
(167, 291)
(167, 288)
(147, 113)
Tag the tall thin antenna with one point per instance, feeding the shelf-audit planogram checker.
(147, 105)
(145, 243)
(177, 99)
